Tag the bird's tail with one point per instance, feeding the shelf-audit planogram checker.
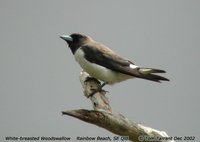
(148, 73)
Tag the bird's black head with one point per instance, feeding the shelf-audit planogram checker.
(75, 40)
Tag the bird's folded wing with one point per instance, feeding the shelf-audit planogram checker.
(105, 57)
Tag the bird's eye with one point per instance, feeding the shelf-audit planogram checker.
(77, 37)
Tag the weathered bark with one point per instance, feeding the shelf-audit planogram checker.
(103, 116)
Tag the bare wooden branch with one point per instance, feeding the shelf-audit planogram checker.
(99, 100)
(103, 116)
(119, 125)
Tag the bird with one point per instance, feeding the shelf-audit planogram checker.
(104, 64)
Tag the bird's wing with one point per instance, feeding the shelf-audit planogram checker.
(107, 58)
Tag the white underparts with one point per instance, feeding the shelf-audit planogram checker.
(99, 72)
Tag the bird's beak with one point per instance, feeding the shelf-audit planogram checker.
(66, 37)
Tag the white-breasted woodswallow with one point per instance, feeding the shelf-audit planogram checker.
(104, 64)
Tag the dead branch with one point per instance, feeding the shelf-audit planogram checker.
(103, 116)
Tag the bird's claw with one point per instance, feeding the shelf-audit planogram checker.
(94, 91)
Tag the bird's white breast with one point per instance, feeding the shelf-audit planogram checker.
(99, 72)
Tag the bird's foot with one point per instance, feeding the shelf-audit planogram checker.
(99, 89)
